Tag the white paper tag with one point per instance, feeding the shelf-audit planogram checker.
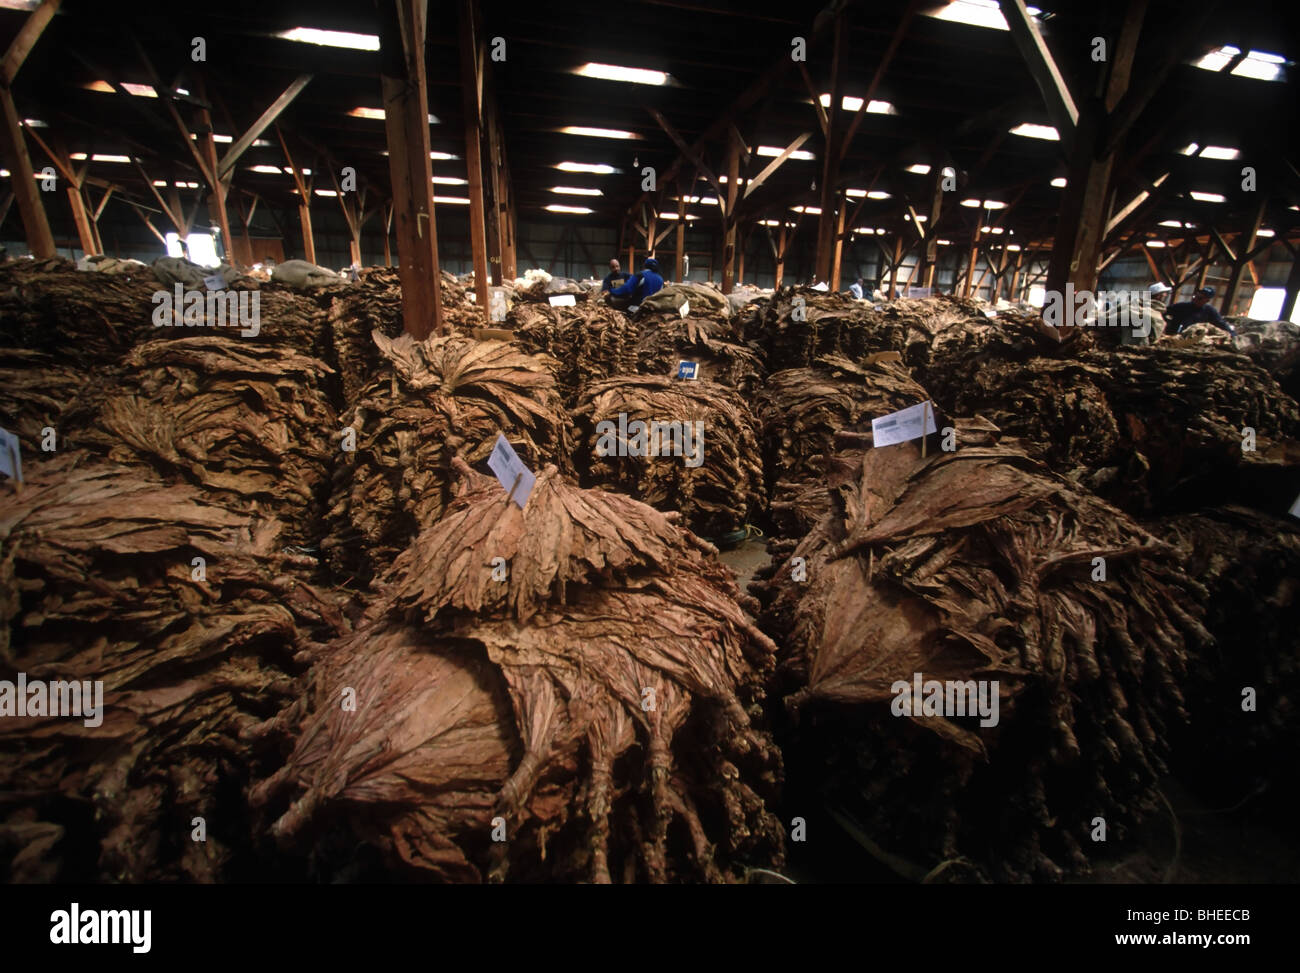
(688, 370)
(685, 309)
(562, 300)
(11, 458)
(215, 283)
(511, 472)
(1295, 508)
(920, 291)
(899, 427)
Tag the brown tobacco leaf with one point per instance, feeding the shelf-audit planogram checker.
(97, 583)
(715, 497)
(434, 401)
(978, 565)
(801, 410)
(248, 422)
(588, 342)
(708, 339)
(599, 703)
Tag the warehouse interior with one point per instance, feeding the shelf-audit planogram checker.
(416, 556)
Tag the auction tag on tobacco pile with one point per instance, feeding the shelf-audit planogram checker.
(562, 300)
(11, 460)
(688, 370)
(511, 472)
(1295, 508)
(685, 309)
(899, 427)
(215, 283)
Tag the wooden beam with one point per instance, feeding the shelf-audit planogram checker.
(25, 40)
(1128, 108)
(304, 200)
(694, 156)
(775, 164)
(226, 166)
(1243, 259)
(899, 33)
(406, 123)
(40, 241)
(471, 104)
(822, 118)
(1042, 67)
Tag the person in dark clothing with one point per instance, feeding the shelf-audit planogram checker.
(637, 288)
(1184, 314)
(613, 278)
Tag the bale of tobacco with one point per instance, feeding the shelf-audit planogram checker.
(1244, 693)
(984, 663)
(690, 447)
(247, 422)
(588, 342)
(146, 627)
(709, 340)
(432, 401)
(78, 317)
(373, 304)
(801, 409)
(801, 325)
(37, 390)
(1145, 428)
(561, 692)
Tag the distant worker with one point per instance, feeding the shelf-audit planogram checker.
(636, 289)
(1142, 323)
(856, 289)
(1184, 314)
(613, 278)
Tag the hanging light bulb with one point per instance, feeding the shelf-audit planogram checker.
(635, 163)
(813, 187)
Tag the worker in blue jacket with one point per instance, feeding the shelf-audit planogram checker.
(640, 286)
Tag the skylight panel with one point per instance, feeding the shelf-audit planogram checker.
(331, 38)
(615, 72)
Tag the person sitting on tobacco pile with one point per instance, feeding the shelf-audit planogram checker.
(636, 289)
(1184, 314)
(1142, 322)
(613, 278)
(856, 289)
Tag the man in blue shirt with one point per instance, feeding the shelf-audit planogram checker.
(1184, 314)
(613, 278)
(638, 288)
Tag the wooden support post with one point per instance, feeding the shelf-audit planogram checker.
(1081, 222)
(388, 232)
(1244, 247)
(58, 154)
(831, 158)
(974, 252)
(40, 241)
(740, 257)
(894, 268)
(679, 270)
(838, 253)
(406, 123)
(304, 200)
(729, 216)
(472, 102)
(780, 256)
(217, 200)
